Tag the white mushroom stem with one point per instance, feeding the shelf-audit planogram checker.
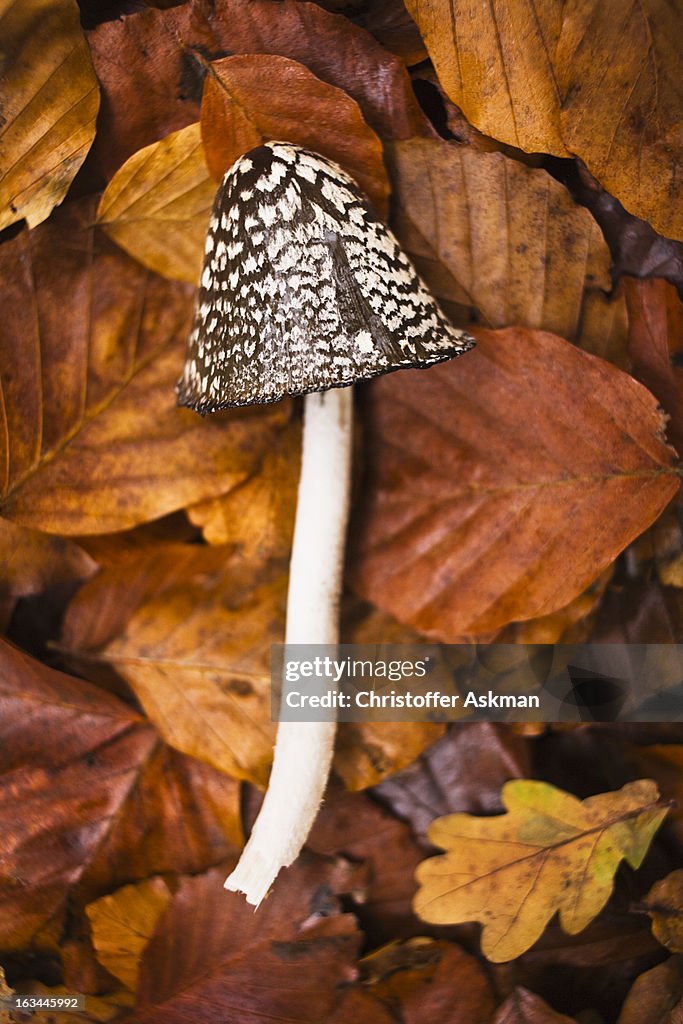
(303, 751)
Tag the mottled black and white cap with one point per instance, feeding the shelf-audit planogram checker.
(303, 288)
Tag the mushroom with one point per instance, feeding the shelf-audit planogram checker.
(304, 291)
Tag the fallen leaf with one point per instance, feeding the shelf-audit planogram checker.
(656, 996)
(524, 1007)
(213, 958)
(549, 853)
(123, 923)
(496, 65)
(32, 561)
(354, 826)
(391, 25)
(49, 101)
(77, 769)
(535, 77)
(623, 116)
(441, 780)
(91, 439)
(664, 904)
(249, 100)
(258, 514)
(189, 628)
(157, 205)
(463, 526)
(366, 752)
(656, 346)
(425, 980)
(640, 612)
(569, 625)
(163, 56)
(505, 239)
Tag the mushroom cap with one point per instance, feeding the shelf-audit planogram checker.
(303, 288)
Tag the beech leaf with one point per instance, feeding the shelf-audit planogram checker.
(549, 853)
(162, 56)
(212, 958)
(49, 101)
(505, 239)
(88, 795)
(475, 468)
(536, 76)
(249, 100)
(123, 923)
(157, 205)
(91, 439)
(189, 628)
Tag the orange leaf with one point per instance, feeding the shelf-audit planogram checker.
(91, 439)
(500, 486)
(255, 99)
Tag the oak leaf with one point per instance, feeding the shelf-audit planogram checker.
(475, 468)
(549, 853)
(49, 101)
(157, 205)
(249, 100)
(91, 439)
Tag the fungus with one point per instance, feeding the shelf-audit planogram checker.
(304, 291)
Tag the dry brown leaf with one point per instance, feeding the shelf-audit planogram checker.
(600, 80)
(163, 56)
(366, 752)
(656, 346)
(258, 515)
(189, 628)
(492, 234)
(213, 958)
(441, 780)
(664, 904)
(656, 996)
(475, 468)
(32, 561)
(549, 853)
(249, 100)
(495, 63)
(88, 796)
(123, 923)
(623, 115)
(49, 101)
(524, 1007)
(569, 625)
(424, 980)
(157, 205)
(355, 826)
(91, 439)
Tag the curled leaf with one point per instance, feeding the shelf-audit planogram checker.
(549, 853)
